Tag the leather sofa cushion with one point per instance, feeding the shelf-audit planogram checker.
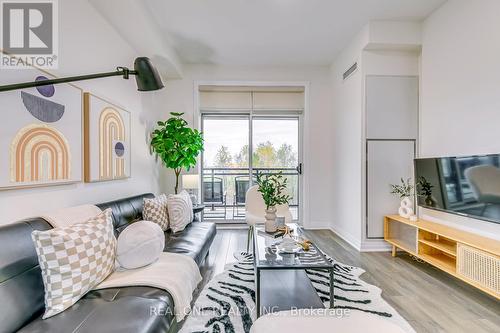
(131, 309)
(194, 241)
(21, 285)
(126, 210)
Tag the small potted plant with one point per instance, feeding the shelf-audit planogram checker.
(273, 189)
(177, 144)
(404, 191)
(424, 189)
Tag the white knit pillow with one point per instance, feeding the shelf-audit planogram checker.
(140, 244)
(180, 211)
(74, 260)
(155, 210)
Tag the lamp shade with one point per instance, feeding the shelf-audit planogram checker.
(190, 181)
(146, 75)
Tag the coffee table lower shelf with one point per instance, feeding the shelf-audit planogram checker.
(285, 289)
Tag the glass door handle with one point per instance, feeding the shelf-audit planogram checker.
(299, 168)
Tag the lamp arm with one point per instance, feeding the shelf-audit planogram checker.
(120, 71)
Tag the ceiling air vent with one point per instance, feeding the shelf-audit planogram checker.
(351, 70)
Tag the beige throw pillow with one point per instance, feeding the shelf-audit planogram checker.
(74, 259)
(155, 210)
(180, 211)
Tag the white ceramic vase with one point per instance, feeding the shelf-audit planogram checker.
(271, 219)
(406, 208)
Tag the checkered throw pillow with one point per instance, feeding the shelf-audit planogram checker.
(155, 210)
(74, 259)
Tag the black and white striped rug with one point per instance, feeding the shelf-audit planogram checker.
(227, 303)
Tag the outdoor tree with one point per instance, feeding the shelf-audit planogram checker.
(241, 159)
(286, 156)
(265, 155)
(223, 157)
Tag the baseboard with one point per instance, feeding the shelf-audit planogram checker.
(368, 245)
(375, 245)
(347, 237)
(317, 225)
(327, 226)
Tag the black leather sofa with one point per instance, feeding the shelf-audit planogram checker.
(131, 309)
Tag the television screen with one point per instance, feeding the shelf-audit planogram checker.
(468, 185)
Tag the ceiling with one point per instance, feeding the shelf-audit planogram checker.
(272, 32)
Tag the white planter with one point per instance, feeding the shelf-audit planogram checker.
(270, 219)
(406, 208)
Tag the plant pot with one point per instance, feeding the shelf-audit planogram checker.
(271, 219)
(429, 201)
(406, 208)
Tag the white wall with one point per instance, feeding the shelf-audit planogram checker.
(347, 148)
(392, 62)
(460, 101)
(88, 44)
(318, 136)
(380, 48)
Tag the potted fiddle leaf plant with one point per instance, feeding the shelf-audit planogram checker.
(176, 144)
(273, 190)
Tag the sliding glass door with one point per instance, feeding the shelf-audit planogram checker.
(237, 147)
(275, 148)
(225, 164)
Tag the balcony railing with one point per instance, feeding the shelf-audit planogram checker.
(224, 190)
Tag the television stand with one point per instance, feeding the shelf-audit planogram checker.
(467, 256)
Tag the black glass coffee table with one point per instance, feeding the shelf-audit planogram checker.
(280, 278)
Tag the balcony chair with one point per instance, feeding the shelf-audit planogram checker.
(214, 196)
(241, 184)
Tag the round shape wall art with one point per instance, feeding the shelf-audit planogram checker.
(119, 149)
(46, 91)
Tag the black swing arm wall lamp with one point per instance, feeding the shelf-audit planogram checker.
(146, 76)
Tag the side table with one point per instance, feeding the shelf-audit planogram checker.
(198, 212)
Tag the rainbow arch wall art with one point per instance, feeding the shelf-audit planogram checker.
(41, 132)
(111, 132)
(39, 153)
(107, 140)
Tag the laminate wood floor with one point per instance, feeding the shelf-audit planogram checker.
(429, 299)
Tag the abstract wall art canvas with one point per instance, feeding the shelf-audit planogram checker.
(107, 140)
(41, 132)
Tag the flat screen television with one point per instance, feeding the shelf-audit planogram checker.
(467, 185)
